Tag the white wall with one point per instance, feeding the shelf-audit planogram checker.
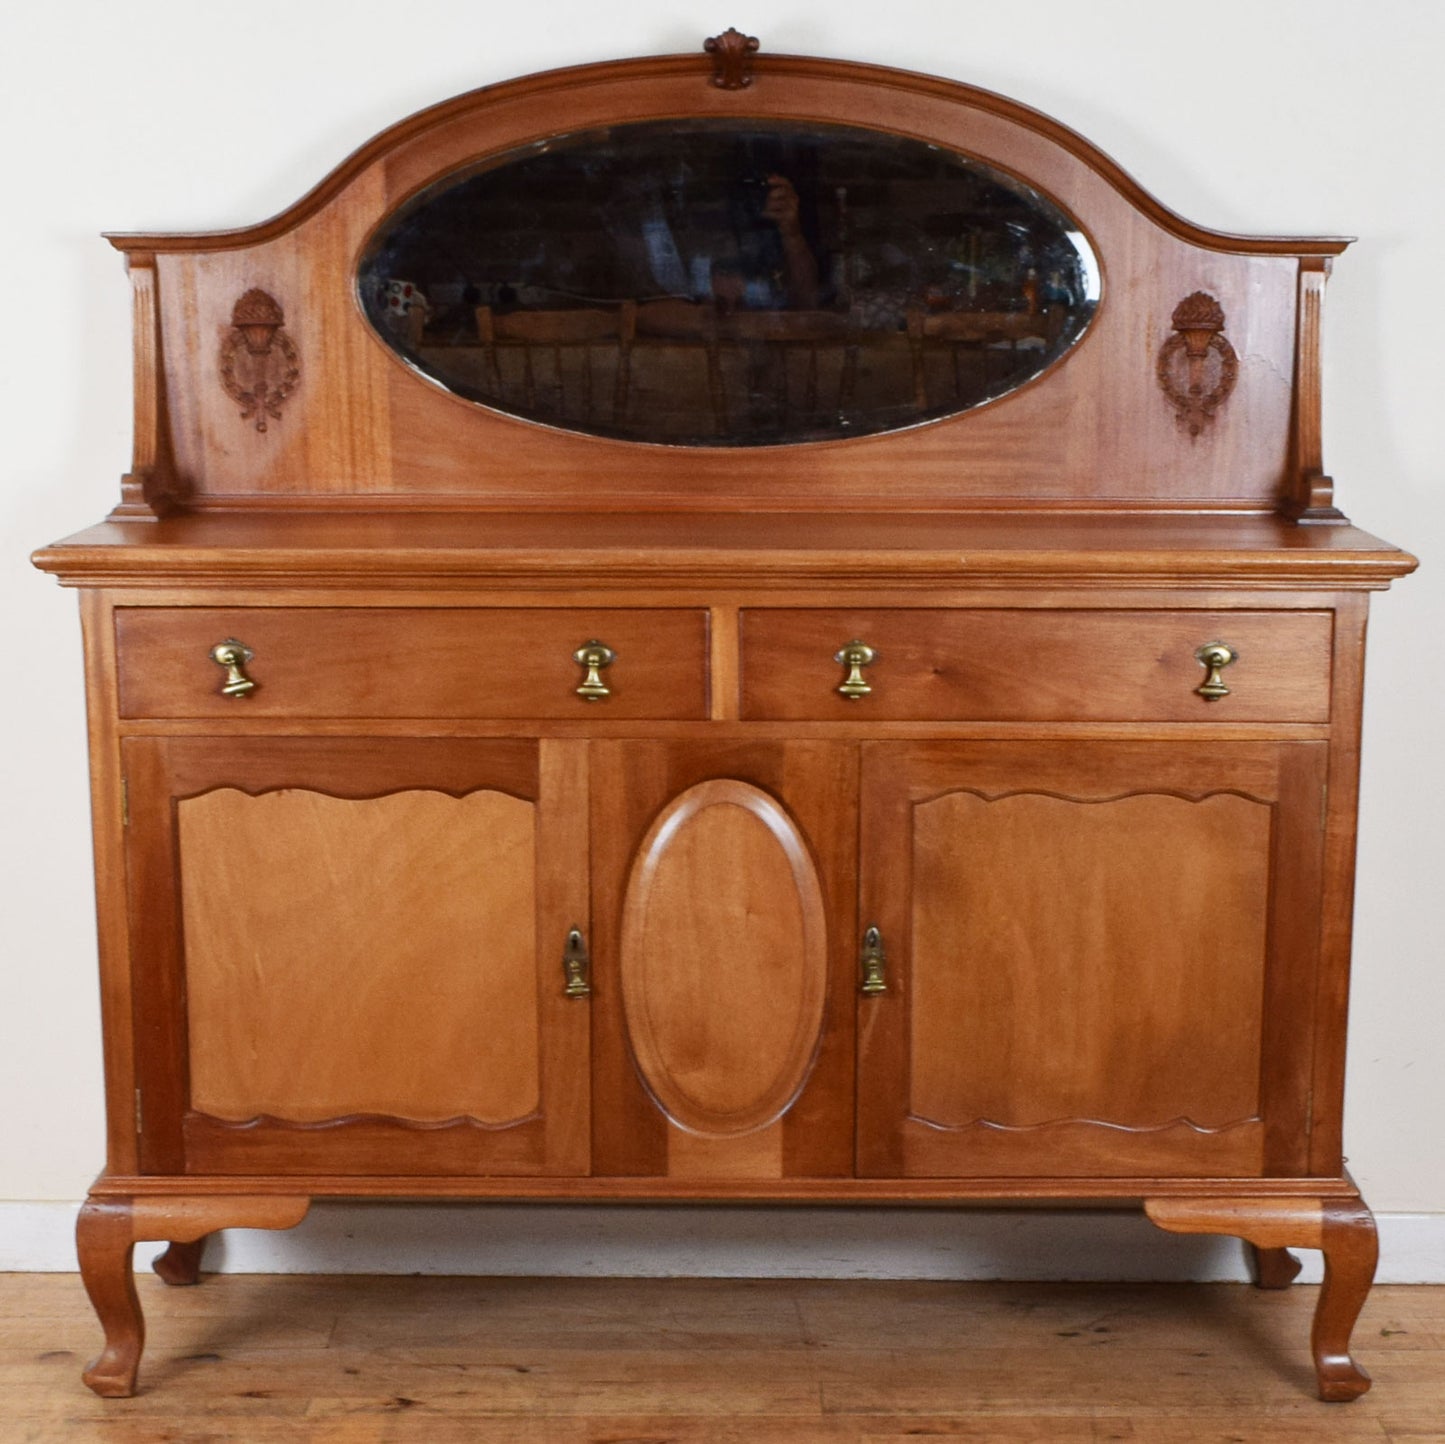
(1307, 116)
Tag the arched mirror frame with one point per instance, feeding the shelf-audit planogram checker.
(1095, 430)
(831, 355)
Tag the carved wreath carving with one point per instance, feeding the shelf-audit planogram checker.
(1197, 367)
(259, 364)
(732, 58)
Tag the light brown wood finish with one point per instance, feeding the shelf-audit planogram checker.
(1331, 1001)
(1342, 1227)
(180, 1265)
(1312, 502)
(147, 489)
(285, 997)
(390, 663)
(1019, 665)
(366, 425)
(349, 956)
(724, 959)
(1273, 1268)
(624, 552)
(106, 1233)
(805, 790)
(1047, 931)
(1116, 914)
(1065, 984)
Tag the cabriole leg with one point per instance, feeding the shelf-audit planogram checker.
(106, 1234)
(104, 1238)
(180, 1264)
(1342, 1228)
(1273, 1268)
(1351, 1251)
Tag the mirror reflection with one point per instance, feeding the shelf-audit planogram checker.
(724, 283)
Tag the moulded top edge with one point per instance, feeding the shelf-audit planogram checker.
(751, 102)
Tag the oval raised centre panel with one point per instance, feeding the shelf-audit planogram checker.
(724, 959)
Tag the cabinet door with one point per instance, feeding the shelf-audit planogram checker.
(725, 909)
(1100, 957)
(348, 955)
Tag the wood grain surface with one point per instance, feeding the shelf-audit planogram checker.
(297, 1360)
(1028, 665)
(365, 425)
(1087, 959)
(381, 662)
(724, 959)
(1117, 915)
(361, 955)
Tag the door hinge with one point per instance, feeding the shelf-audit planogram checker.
(139, 1118)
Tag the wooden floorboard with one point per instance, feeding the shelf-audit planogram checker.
(348, 1360)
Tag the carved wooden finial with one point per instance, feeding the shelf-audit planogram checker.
(732, 58)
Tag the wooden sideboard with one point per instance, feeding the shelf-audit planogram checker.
(843, 729)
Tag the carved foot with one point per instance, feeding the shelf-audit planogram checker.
(180, 1264)
(1351, 1252)
(105, 1235)
(1273, 1268)
(1342, 1227)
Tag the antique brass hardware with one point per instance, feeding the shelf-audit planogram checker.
(233, 656)
(874, 961)
(576, 965)
(594, 656)
(1214, 657)
(855, 655)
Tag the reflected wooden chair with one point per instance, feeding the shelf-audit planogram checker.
(690, 325)
(957, 334)
(577, 332)
(818, 337)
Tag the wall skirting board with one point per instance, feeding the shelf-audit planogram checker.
(624, 1241)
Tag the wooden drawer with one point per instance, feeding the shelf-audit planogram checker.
(421, 662)
(1016, 665)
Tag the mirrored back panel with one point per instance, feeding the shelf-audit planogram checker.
(702, 282)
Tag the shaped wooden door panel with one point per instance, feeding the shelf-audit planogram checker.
(363, 969)
(1091, 951)
(724, 917)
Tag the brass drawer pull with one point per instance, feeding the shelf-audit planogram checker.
(874, 962)
(233, 656)
(576, 965)
(1214, 657)
(855, 655)
(594, 656)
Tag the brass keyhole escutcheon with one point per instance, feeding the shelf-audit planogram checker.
(874, 962)
(233, 656)
(593, 657)
(855, 655)
(576, 966)
(1214, 657)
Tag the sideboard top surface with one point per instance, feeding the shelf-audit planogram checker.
(606, 550)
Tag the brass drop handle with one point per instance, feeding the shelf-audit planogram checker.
(594, 656)
(233, 656)
(874, 962)
(576, 965)
(855, 655)
(1214, 657)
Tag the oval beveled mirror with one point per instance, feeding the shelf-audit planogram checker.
(729, 283)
